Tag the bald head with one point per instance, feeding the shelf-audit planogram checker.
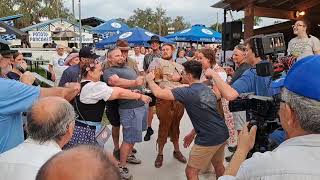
(80, 163)
(49, 119)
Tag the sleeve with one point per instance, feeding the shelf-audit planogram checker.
(65, 78)
(244, 83)
(316, 44)
(145, 66)
(289, 47)
(223, 76)
(17, 97)
(51, 60)
(227, 177)
(181, 94)
(107, 74)
(93, 92)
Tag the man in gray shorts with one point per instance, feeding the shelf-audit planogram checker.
(133, 113)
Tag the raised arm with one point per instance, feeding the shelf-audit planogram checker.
(120, 93)
(156, 90)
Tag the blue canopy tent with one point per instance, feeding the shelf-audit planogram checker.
(134, 36)
(109, 28)
(197, 33)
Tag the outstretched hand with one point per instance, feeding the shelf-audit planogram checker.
(145, 99)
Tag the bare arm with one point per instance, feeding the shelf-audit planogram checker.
(245, 144)
(120, 93)
(156, 90)
(124, 83)
(66, 93)
(225, 89)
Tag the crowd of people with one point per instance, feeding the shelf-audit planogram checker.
(63, 124)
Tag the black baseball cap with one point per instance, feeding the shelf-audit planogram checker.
(88, 52)
(5, 50)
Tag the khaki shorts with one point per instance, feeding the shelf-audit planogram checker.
(201, 156)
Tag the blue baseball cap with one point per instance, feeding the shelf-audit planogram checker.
(303, 78)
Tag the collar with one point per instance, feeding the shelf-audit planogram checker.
(50, 143)
(311, 140)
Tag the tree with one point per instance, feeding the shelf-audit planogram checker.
(180, 24)
(216, 27)
(256, 22)
(32, 10)
(156, 20)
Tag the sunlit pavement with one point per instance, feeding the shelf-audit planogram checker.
(171, 169)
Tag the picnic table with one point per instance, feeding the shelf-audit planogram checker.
(32, 61)
(43, 79)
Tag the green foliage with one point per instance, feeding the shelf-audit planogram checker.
(216, 27)
(32, 10)
(156, 21)
(257, 20)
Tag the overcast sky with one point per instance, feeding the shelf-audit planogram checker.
(194, 11)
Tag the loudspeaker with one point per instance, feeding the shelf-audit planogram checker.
(232, 34)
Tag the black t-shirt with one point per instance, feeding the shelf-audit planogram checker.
(239, 71)
(201, 106)
(13, 75)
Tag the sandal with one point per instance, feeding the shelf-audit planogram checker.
(159, 161)
(178, 155)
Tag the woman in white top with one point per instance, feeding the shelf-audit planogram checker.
(90, 104)
(304, 44)
(208, 60)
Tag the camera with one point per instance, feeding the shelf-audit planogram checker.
(263, 112)
(260, 110)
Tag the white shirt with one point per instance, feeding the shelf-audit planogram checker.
(93, 92)
(57, 62)
(24, 161)
(303, 47)
(139, 60)
(295, 159)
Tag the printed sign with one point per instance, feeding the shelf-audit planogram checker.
(86, 38)
(40, 37)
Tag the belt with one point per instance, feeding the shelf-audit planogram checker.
(84, 125)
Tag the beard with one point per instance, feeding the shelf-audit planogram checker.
(167, 58)
(5, 70)
(121, 65)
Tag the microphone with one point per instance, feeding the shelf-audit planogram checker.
(22, 70)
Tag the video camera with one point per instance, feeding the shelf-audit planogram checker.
(263, 111)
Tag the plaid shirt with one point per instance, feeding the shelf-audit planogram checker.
(148, 59)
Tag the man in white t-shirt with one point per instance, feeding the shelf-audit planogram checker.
(50, 125)
(56, 64)
(138, 57)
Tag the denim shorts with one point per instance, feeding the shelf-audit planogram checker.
(133, 122)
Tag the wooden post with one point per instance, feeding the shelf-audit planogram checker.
(248, 21)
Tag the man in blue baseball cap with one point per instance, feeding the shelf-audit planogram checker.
(298, 157)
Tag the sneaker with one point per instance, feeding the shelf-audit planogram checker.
(124, 173)
(148, 134)
(133, 160)
(116, 154)
(134, 151)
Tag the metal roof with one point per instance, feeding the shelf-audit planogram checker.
(45, 23)
(8, 18)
